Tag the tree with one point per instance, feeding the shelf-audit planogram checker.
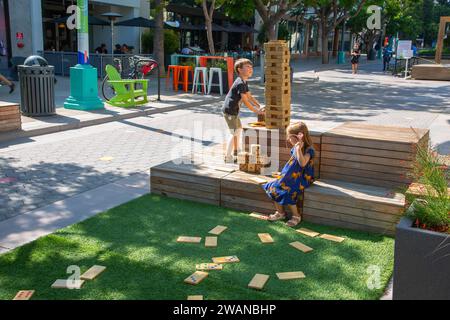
(209, 12)
(158, 38)
(272, 11)
(332, 13)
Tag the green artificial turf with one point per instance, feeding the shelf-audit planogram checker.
(137, 243)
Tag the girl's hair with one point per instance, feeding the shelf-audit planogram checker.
(296, 128)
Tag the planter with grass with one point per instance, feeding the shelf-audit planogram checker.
(422, 243)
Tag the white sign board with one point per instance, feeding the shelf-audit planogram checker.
(403, 45)
(407, 54)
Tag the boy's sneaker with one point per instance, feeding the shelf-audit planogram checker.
(12, 87)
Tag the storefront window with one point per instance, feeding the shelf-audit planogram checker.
(4, 34)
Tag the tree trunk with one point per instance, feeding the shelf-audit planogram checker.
(271, 32)
(324, 36)
(307, 36)
(208, 13)
(336, 42)
(158, 39)
(209, 35)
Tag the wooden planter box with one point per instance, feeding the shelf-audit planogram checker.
(10, 117)
(421, 265)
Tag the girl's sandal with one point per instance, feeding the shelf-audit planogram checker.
(277, 216)
(295, 220)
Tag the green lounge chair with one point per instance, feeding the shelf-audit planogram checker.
(126, 93)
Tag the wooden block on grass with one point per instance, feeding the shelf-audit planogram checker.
(211, 242)
(300, 246)
(308, 232)
(259, 216)
(24, 295)
(332, 238)
(265, 238)
(67, 284)
(196, 277)
(218, 230)
(208, 266)
(184, 239)
(92, 273)
(290, 275)
(228, 259)
(259, 281)
(195, 297)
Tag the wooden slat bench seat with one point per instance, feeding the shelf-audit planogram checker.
(239, 192)
(354, 206)
(10, 118)
(189, 182)
(370, 154)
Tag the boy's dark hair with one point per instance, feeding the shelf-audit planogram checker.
(240, 63)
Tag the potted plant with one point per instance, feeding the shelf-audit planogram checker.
(215, 80)
(422, 242)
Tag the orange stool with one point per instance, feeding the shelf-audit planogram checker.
(183, 71)
(174, 70)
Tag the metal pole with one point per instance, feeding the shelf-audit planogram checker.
(83, 33)
(112, 40)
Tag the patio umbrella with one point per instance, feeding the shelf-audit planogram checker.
(139, 22)
(93, 21)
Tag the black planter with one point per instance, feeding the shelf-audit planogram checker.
(422, 263)
(215, 80)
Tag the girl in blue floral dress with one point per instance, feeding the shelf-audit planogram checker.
(297, 174)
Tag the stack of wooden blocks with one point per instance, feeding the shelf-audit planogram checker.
(278, 85)
(253, 161)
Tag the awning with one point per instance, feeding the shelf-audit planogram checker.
(93, 21)
(191, 11)
(137, 22)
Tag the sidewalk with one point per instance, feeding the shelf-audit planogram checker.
(66, 119)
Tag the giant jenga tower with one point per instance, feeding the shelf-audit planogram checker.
(278, 85)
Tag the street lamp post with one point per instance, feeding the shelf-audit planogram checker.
(341, 54)
(112, 16)
(83, 76)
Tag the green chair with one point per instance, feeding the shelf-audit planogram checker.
(126, 93)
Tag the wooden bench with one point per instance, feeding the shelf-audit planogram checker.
(199, 183)
(10, 118)
(240, 192)
(353, 206)
(370, 154)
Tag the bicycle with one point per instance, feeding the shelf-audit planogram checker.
(140, 68)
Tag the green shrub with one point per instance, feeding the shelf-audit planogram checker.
(171, 41)
(218, 64)
(431, 211)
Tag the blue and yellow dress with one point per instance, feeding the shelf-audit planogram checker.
(293, 180)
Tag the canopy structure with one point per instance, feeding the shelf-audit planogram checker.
(138, 22)
(91, 20)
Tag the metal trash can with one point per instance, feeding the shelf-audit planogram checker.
(37, 87)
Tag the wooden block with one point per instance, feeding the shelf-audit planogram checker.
(290, 275)
(218, 230)
(195, 297)
(259, 216)
(196, 277)
(243, 167)
(265, 238)
(228, 259)
(92, 273)
(251, 168)
(258, 180)
(300, 246)
(332, 238)
(24, 295)
(67, 284)
(208, 266)
(184, 239)
(259, 281)
(308, 232)
(211, 242)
